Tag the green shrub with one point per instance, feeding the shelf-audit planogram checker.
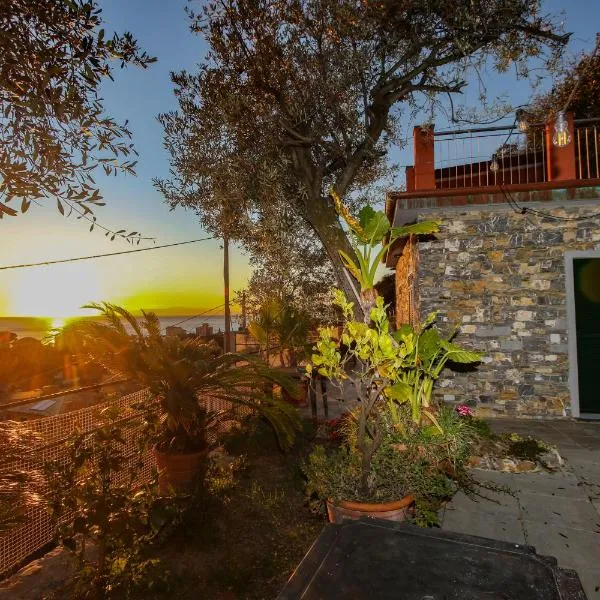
(102, 515)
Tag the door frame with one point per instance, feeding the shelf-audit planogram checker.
(572, 330)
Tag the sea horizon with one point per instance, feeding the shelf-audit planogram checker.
(40, 327)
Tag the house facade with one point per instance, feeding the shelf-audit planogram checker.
(516, 265)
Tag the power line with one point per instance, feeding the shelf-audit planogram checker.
(196, 316)
(67, 260)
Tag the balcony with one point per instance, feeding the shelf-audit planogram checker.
(483, 165)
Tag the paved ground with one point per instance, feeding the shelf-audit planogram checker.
(339, 400)
(557, 513)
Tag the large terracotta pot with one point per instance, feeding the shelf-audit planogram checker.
(178, 472)
(399, 510)
(299, 399)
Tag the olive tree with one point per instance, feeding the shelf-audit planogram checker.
(295, 96)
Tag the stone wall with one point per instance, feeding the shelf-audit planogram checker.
(500, 275)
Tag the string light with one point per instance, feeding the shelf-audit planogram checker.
(521, 119)
(494, 164)
(562, 136)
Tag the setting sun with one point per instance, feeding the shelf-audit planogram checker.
(57, 323)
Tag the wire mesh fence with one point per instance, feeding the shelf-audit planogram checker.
(37, 529)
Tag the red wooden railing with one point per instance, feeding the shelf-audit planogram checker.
(501, 156)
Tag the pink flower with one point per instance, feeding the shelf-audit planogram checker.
(464, 411)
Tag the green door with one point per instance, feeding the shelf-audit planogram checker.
(586, 277)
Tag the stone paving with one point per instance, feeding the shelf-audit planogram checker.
(557, 513)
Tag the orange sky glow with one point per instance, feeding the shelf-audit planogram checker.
(187, 278)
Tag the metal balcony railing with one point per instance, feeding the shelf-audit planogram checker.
(587, 146)
(499, 156)
(489, 156)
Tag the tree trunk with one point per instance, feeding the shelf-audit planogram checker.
(226, 340)
(368, 299)
(322, 216)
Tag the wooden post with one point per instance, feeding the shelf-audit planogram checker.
(323, 382)
(226, 340)
(424, 171)
(560, 162)
(243, 318)
(312, 393)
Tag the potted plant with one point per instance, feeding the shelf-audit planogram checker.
(398, 447)
(185, 377)
(282, 330)
(280, 327)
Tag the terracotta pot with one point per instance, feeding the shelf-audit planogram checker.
(400, 510)
(178, 472)
(300, 395)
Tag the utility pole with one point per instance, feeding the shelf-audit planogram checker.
(226, 340)
(243, 317)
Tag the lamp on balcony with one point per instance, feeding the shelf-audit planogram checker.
(521, 120)
(494, 164)
(562, 136)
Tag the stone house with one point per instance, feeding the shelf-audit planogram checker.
(516, 265)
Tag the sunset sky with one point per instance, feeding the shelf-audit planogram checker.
(187, 276)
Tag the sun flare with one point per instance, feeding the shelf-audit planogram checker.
(57, 323)
(57, 293)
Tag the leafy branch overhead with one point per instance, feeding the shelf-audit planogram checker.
(371, 229)
(55, 134)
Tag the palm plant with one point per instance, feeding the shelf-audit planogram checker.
(293, 329)
(263, 327)
(278, 324)
(185, 377)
